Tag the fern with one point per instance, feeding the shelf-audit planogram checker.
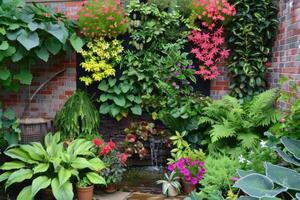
(220, 131)
(78, 116)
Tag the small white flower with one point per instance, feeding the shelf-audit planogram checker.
(248, 162)
(242, 159)
(263, 144)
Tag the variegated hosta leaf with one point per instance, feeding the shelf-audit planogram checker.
(12, 165)
(283, 176)
(25, 194)
(293, 146)
(258, 186)
(18, 177)
(63, 192)
(39, 183)
(288, 158)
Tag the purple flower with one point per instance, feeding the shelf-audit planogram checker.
(194, 181)
(171, 167)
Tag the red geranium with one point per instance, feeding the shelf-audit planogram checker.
(105, 150)
(98, 142)
(111, 145)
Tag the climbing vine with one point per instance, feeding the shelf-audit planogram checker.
(250, 37)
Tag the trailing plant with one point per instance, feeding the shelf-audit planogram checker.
(51, 165)
(170, 181)
(99, 59)
(119, 98)
(279, 179)
(217, 179)
(250, 37)
(138, 134)
(9, 128)
(77, 122)
(103, 18)
(235, 124)
(29, 33)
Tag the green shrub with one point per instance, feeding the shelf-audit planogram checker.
(78, 117)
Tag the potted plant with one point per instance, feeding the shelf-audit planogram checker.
(170, 186)
(115, 164)
(85, 189)
(51, 166)
(190, 171)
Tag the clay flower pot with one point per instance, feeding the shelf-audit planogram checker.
(187, 187)
(172, 192)
(85, 193)
(111, 188)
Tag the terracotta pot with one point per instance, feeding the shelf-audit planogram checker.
(47, 194)
(187, 187)
(111, 188)
(86, 193)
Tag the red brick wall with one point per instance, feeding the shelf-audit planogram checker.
(286, 51)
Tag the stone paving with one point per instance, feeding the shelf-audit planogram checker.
(135, 196)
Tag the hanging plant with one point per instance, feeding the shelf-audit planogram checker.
(99, 59)
(29, 33)
(99, 18)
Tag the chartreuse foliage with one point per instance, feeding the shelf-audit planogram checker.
(278, 179)
(9, 128)
(240, 123)
(28, 33)
(250, 37)
(51, 165)
(78, 117)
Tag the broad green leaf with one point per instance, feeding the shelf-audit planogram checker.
(97, 164)
(125, 87)
(59, 31)
(104, 108)
(12, 165)
(39, 183)
(103, 86)
(5, 176)
(41, 167)
(137, 110)
(9, 52)
(288, 158)
(53, 45)
(29, 40)
(18, 177)
(76, 42)
(33, 26)
(63, 192)
(42, 53)
(4, 73)
(81, 163)
(138, 100)
(4, 45)
(9, 114)
(258, 186)
(292, 146)
(63, 175)
(114, 110)
(25, 77)
(19, 154)
(25, 194)
(120, 101)
(33, 152)
(283, 176)
(112, 82)
(95, 178)
(19, 54)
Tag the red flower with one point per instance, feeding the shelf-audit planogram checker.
(123, 158)
(105, 150)
(111, 145)
(97, 142)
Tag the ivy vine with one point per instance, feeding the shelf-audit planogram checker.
(250, 37)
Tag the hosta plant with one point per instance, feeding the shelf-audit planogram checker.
(51, 165)
(279, 179)
(31, 33)
(99, 18)
(82, 121)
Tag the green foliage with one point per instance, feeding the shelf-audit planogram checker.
(81, 121)
(240, 123)
(101, 18)
(170, 181)
(51, 165)
(250, 38)
(9, 128)
(28, 33)
(217, 178)
(278, 179)
(118, 98)
(84, 182)
(184, 6)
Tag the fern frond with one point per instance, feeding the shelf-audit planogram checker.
(248, 140)
(219, 131)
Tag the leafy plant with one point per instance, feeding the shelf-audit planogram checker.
(99, 59)
(28, 33)
(241, 123)
(51, 165)
(118, 98)
(170, 181)
(80, 121)
(250, 37)
(9, 128)
(278, 179)
(101, 18)
(84, 182)
(217, 178)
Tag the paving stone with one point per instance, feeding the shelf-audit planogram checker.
(114, 196)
